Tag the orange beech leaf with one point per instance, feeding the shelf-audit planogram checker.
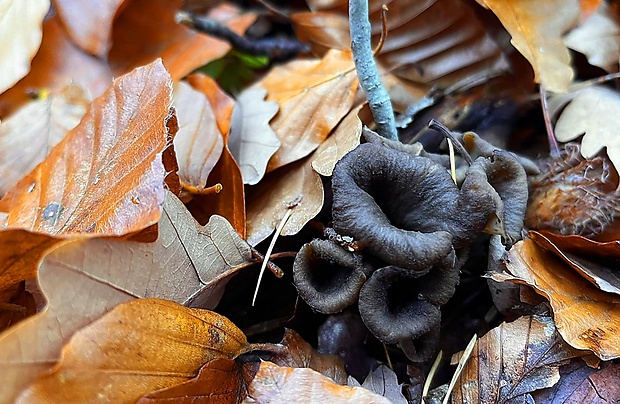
(58, 64)
(198, 144)
(536, 29)
(138, 37)
(585, 316)
(16, 304)
(28, 136)
(138, 347)
(251, 140)
(20, 32)
(221, 103)
(277, 384)
(89, 23)
(433, 42)
(115, 150)
(314, 95)
(83, 279)
(298, 186)
(511, 361)
(220, 381)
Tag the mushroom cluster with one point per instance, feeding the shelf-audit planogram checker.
(415, 223)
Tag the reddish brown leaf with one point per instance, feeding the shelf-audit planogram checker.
(139, 37)
(221, 103)
(188, 263)
(220, 381)
(16, 304)
(58, 63)
(138, 347)
(280, 384)
(314, 95)
(89, 23)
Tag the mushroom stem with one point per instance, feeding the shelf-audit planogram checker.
(441, 128)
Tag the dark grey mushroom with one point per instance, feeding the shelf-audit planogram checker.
(328, 277)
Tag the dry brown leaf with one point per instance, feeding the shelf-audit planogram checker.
(198, 143)
(221, 103)
(585, 316)
(598, 37)
(138, 37)
(314, 95)
(115, 150)
(251, 141)
(536, 29)
(297, 353)
(89, 23)
(431, 42)
(58, 63)
(275, 384)
(138, 347)
(20, 34)
(188, 263)
(384, 382)
(28, 136)
(511, 361)
(220, 381)
(16, 304)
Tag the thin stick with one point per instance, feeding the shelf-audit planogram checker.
(387, 356)
(554, 150)
(378, 97)
(279, 273)
(384, 30)
(441, 128)
(459, 369)
(274, 10)
(596, 80)
(431, 375)
(288, 213)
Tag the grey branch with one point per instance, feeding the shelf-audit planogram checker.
(377, 95)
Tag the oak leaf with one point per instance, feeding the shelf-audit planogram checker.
(383, 381)
(536, 29)
(20, 33)
(138, 347)
(511, 361)
(188, 263)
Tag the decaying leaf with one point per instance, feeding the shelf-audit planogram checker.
(590, 112)
(82, 280)
(432, 42)
(16, 304)
(598, 38)
(314, 95)
(138, 347)
(279, 384)
(89, 23)
(28, 136)
(137, 40)
(251, 141)
(511, 361)
(585, 316)
(198, 144)
(536, 29)
(220, 381)
(20, 33)
(383, 381)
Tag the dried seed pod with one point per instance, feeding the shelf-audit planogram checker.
(573, 195)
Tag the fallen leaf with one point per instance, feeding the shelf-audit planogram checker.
(251, 141)
(58, 64)
(589, 112)
(598, 38)
(67, 193)
(383, 381)
(138, 347)
(536, 29)
(511, 361)
(188, 263)
(221, 103)
(429, 42)
(220, 381)
(581, 384)
(28, 136)
(314, 95)
(16, 304)
(275, 384)
(297, 353)
(89, 23)
(20, 32)
(139, 37)
(585, 316)
(198, 143)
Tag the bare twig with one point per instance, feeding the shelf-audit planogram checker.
(378, 97)
(441, 128)
(384, 30)
(554, 149)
